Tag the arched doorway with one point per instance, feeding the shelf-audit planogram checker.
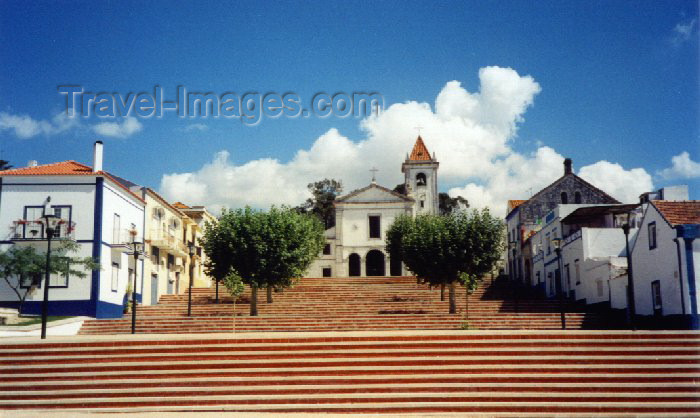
(354, 265)
(375, 263)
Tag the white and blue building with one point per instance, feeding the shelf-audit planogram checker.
(98, 211)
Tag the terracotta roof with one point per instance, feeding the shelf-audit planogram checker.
(420, 152)
(512, 204)
(64, 168)
(681, 212)
(180, 205)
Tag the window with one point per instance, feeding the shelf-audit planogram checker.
(656, 296)
(421, 180)
(63, 213)
(568, 276)
(34, 228)
(599, 287)
(327, 249)
(564, 198)
(577, 269)
(115, 277)
(327, 272)
(549, 244)
(539, 279)
(652, 235)
(375, 227)
(28, 280)
(577, 197)
(422, 204)
(116, 228)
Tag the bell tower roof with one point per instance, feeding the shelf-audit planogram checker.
(420, 151)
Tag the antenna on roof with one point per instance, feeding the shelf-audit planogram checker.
(418, 129)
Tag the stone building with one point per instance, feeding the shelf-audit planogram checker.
(525, 217)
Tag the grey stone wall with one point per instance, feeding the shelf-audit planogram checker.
(546, 200)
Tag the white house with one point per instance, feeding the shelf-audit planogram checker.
(546, 266)
(665, 259)
(356, 245)
(99, 213)
(593, 251)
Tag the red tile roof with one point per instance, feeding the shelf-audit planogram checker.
(512, 204)
(420, 151)
(180, 205)
(681, 212)
(65, 168)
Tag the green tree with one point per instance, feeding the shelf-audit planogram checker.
(438, 249)
(320, 204)
(234, 285)
(272, 248)
(448, 204)
(5, 165)
(25, 262)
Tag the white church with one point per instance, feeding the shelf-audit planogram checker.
(356, 245)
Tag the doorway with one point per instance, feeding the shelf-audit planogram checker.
(375, 263)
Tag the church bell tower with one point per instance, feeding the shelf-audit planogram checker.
(420, 171)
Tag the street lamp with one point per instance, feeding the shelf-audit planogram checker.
(556, 242)
(51, 223)
(138, 248)
(192, 250)
(630, 279)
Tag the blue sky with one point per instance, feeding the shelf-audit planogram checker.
(618, 82)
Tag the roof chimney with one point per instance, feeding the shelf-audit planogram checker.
(32, 163)
(567, 166)
(97, 157)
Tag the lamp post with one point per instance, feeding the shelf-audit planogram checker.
(556, 242)
(630, 279)
(192, 250)
(51, 222)
(137, 247)
(512, 246)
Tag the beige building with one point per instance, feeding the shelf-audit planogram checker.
(197, 218)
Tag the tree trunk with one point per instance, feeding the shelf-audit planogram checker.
(453, 302)
(253, 300)
(466, 303)
(217, 291)
(269, 294)
(442, 292)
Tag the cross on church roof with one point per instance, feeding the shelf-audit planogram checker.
(374, 174)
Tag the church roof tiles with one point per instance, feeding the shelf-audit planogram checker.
(420, 151)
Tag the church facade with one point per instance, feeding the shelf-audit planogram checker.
(356, 245)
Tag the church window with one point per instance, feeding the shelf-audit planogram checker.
(422, 203)
(327, 272)
(375, 227)
(421, 179)
(327, 249)
(577, 197)
(564, 198)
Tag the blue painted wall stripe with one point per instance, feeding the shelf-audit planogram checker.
(97, 244)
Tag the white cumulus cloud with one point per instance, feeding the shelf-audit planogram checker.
(682, 167)
(24, 126)
(471, 134)
(624, 185)
(127, 127)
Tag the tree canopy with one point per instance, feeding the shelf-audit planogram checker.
(320, 204)
(439, 249)
(264, 248)
(25, 262)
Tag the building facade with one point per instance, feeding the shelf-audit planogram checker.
(356, 245)
(99, 213)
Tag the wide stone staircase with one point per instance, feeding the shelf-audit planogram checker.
(494, 373)
(346, 304)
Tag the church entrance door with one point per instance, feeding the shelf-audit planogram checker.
(354, 265)
(375, 263)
